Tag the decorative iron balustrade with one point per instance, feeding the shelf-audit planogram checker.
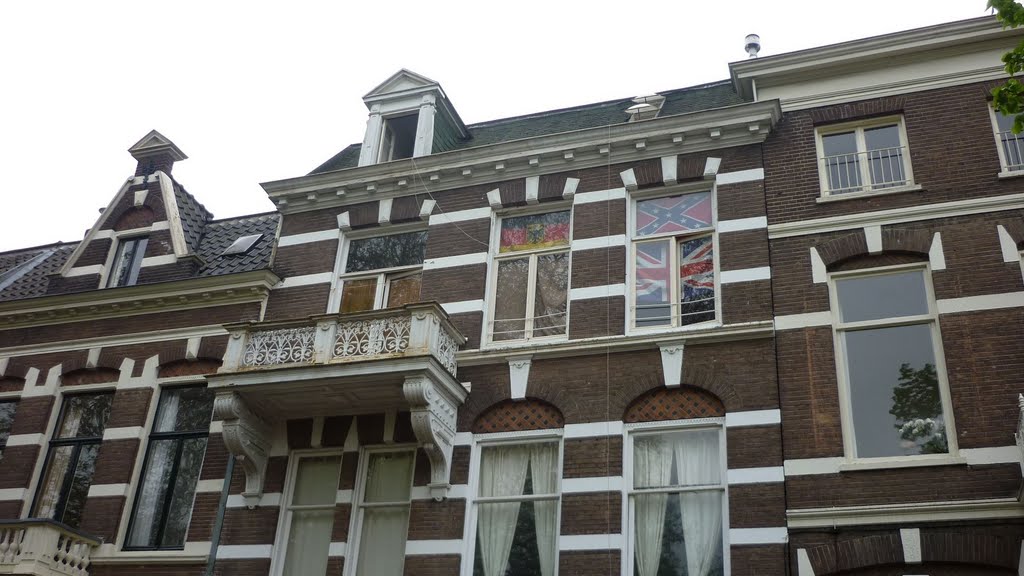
(864, 171)
(44, 548)
(1013, 151)
(413, 330)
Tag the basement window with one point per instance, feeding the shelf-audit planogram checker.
(398, 138)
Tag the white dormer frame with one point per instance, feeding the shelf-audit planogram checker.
(405, 93)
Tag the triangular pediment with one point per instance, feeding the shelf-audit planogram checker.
(154, 143)
(401, 81)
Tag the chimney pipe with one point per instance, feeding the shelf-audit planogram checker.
(753, 45)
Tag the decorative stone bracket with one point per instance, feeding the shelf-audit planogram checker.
(248, 437)
(433, 412)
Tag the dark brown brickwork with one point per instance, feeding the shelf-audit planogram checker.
(19, 461)
(810, 393)
(469, 325)
(166, 351)
(188, 368)
(429, 520)
(757, 505)
(370, 428)
(747, 301)
(595, 317)
(335, 430)
(592, 513)
(11, 384)
(130, 407)
(740, 200)
(243, 568)
(216, 459)
(754, 446)
(589, 563)
(308, 258)
(598, 267)
(342, 517)
(297, 302)
(204, 514)
(101, 516)
(300, 433)
(763, 560)
(89, 376)
(115, 461)
(592, 457)
(10, 509)
(135, 217)
(454, 284)
(594, 219)
(95, 253)
(32, 416)
(274, 481)
(407, 208)
(743, 249)
(245, 526)
(460, 465)
(432, 565)
(19, 365)
(181, 270)
(466, 237)
(212, 347)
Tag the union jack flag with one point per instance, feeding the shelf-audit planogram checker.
(652, 273)
(696, 269)
(673, 214)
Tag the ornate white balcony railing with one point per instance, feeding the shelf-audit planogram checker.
(44, 548)
(413, 330)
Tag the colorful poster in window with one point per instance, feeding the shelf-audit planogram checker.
(535, 231)
(673, 214)
(696, 280)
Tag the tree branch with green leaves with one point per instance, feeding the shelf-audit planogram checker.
(1008, 99)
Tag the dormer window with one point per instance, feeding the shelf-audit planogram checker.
(127, 262)
(398, 140)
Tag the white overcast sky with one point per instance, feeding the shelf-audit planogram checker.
(259, 91)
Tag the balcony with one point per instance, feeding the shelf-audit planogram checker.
(868, 171)
(44, 548)
(336, 364)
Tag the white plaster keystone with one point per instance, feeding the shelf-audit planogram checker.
(140, 197)
(192, 347)
(384, 211)
(936, 257)
(668, 170)
(519, 373)
(873, 237)
(672, 363)
(494, 198)
(93, 358)
(532, 189)
(343, 221)
(426, 209)
(711, 166)
(911, 538)
(628, 179)
(569, 190)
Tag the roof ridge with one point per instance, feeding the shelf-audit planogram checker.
(57, 244)
(225, 219)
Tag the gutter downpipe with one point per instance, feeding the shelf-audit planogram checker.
(218, 523)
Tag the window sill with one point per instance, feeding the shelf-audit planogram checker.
(193, 553)
(908, 462)
(703, 326)
(522, 344)
(869, 194)
(1006, 174)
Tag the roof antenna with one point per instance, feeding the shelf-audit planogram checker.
(753, 45)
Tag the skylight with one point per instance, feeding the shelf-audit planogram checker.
(242, 245)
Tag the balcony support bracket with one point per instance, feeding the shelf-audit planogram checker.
(248, 437)
(433, 421)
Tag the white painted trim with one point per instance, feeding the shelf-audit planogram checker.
(242, 551)
(26, 439)
(162, 260)
(748, 536)
(873, 238)
(764, 475)
(305, 280)
(597, 292)
(628, 179)
(598, 242)
(805, 320)
(426, 547)
(936, 255)
(455, 261)
(463, 439)
(337, 549)
(8, 494)
(173, 217)
(911, 539)
(594, 484)
(745, 275)
(897, 215)
(519, 375)
(739, 176)
(741, 224)
(267, 499)
(819, 272)
(532, 189)
(592, 429)
(308, 238)
(591, 542)
(85, 270)
(107, 490)
(969, 456)
(456, 491)
(1007, 245)
(979, 303)
(599, 196)
(753, 418)
(463, 306)
(124, 433)
(669, 169)
(905, 513)
(154, 227)
(811, 466)
(210, 485)
(459, 216)
(993, 455)
(119, 339)
(803, 562)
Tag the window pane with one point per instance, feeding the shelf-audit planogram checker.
(81, 479)
(678, 534)
(149, 508)
(516, 539)
(894, 392)
(696, 280)
(885, 156)
(85, 415)
(389, 477)
(309, 541)
(1012, 148)
(684, 458)
(184, 410)
(535, 231)
(841, 162)
(386, 251)
(673, 214)
(882, 137)
(180, 510)
(551, 297)
(404, 290)
(510, 300)
(653, 283)
(127, 262)
(382, 541)
(53, 480)
(882, 296)
(317, 480)
(358, 295)
(7, 411)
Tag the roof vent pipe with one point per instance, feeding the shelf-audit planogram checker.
(753, 45)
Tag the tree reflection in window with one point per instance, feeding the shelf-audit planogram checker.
(382, 252)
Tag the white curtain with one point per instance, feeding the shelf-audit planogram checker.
(382, 541)
(697, 463)
(544, 475)
(652, 467)
(502, 473)
(154, 485)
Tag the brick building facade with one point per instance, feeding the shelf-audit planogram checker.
(465, 349)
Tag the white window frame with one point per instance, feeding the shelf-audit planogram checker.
(633, 240)
(495, 256)
(662, 427)
(858, 127)
(845, 407)
(1004, 167)
(358, 506)
(481, 441)
(387, 155)
(383, 275)
(284, 521)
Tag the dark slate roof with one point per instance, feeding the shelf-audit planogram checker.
(34, 278)
(680, 101)
(194, 216)
(222, 233)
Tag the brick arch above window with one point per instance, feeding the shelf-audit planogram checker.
(89, 376)
(683, 403)
(899, 245)
(183, 367)
(135, 217)
(518, 416)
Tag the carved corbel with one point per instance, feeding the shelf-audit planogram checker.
(433, 422)
(248, 437)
